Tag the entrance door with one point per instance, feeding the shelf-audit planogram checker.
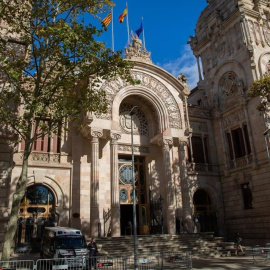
(205, 219)
(37, 210)
(126, 194)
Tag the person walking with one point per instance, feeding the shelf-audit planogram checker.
(93, 251)
(237, 242)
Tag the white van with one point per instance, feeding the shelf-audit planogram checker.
(63, 242)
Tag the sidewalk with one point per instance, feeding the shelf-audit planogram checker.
(230, 263)
(222, 263)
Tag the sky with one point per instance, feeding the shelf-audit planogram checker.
(167, 28)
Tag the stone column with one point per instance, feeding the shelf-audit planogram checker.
(165, 143)
(115, 206)
(187, 208)
(199, 67)
(94, 191)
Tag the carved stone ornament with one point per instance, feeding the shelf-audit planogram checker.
(198, 126)
(137, 149)
(140, 126)
(96, 133)
(165, 143)
(230, 92)
(234, 118)
(113, 87)
(115, 136)
(267, 35)
(135, 51)
(182, 78)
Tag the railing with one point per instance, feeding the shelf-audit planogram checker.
(155, 261)
(259, 253)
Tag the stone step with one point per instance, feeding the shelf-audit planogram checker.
(203, 244)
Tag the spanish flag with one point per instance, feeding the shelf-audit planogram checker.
(106, 21)
(123, 15)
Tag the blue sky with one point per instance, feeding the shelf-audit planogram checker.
(167, 27)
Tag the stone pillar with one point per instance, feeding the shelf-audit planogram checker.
(115, 206)
(187, 208)
(94, 191)
(199, 67)
(169, 188)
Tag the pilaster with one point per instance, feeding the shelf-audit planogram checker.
(94, 192)
(115, 206)
(166, 143)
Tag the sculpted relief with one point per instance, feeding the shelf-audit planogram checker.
(152, 84)
(230, 91)
(234, 118)
(258, 33)
(140, 125)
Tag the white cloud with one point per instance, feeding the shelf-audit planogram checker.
(186, 64)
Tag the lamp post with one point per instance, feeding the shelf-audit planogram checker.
(131, 113)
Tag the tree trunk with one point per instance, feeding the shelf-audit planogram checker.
(17, 197)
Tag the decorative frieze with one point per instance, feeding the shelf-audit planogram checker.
(234, 118)
(43, 157)
(136, 148)
(199, 112)
(113, 87)
(198, 126)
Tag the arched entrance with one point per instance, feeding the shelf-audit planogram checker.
(37, 210)
(205, 219)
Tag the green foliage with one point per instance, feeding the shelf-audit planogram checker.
(51, 64)
(261, 88)
(51, 67)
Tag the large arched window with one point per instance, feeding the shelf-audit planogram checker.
(38, 194)
(38, 200)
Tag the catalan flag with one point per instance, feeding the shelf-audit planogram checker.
(106, 21)
(123, 15)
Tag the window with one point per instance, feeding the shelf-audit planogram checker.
(200, 149)
(247, 196)
(46, 143)
(238, 142)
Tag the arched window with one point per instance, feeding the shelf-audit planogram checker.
(38, 194)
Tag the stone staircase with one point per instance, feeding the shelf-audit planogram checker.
(200, 245)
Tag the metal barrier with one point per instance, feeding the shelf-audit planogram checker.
(79, 263)
(153, 261)
(162, 260)
(17, 265)
(259, 253)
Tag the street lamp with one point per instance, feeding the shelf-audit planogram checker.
(131, 113)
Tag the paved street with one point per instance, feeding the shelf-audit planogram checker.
(229, 263)
(223, 263)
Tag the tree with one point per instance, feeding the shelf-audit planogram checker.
(50, 68)
(261, 88)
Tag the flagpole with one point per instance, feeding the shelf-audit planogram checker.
(127, 23)
(112, 33)
(143, 34)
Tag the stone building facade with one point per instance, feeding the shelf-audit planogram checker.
(232, 46)
(200, 157)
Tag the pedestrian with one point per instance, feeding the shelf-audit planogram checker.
(237, 242)
(93, 251)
